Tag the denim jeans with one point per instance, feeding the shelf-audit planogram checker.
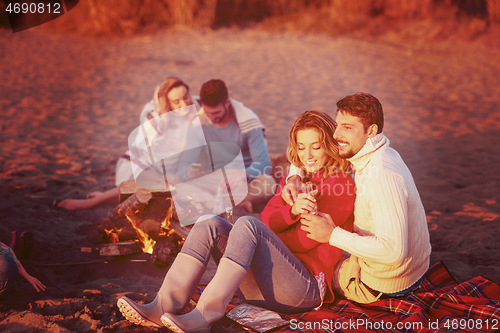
(8, 273)
(276, 279)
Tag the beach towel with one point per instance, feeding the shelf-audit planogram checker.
(439, 304)
(247, 119)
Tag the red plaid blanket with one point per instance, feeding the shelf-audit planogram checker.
(440, 304)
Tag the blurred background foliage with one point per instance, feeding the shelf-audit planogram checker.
(126, 17)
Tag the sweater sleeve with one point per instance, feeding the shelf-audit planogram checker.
(336, 199)
(294, 171)
(388, 242)
(261, 163)
(276, 214)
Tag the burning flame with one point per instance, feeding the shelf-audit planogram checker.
(113, 234)
(148, 243)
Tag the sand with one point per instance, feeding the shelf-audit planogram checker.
(68, 103)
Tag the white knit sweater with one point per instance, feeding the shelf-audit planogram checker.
(390, 236)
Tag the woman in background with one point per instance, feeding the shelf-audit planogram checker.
(172, 95)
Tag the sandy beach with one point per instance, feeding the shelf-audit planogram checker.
(68, 104)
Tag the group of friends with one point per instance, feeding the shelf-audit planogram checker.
(176, 121)
(359, 233)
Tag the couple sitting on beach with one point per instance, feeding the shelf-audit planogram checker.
(169, 124)
(363, 240)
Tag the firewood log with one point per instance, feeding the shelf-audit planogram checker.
(129, 187)
(132, 204)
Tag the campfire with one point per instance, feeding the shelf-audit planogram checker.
(148, 217)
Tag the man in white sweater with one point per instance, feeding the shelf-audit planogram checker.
(389, 248)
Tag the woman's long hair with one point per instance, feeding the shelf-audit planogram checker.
(160, 96)
(325, 126)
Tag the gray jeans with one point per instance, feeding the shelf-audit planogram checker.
(276, 279)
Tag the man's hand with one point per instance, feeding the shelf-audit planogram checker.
(291, 189)
(318, 227)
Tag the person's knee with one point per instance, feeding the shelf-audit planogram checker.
(249, 223)
(214, 223)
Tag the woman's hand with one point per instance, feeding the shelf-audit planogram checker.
(35, 283)
(304, 203)
(32, 280)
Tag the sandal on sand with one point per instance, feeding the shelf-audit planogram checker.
(126, 306)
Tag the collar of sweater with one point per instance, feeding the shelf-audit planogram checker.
(363, 157)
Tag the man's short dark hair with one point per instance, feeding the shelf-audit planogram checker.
(364, 106)
(213, 92)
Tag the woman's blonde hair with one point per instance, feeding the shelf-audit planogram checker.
(325, 126)
(161, 92)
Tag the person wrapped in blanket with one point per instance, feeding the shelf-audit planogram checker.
(172, 95)
(272, 263)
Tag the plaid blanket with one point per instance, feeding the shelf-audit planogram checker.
(440, 304)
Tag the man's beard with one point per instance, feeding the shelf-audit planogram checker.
(348, 154)
(218, 120)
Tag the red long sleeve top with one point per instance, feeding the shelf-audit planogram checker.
(336, 197)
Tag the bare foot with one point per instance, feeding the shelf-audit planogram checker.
(75, 204)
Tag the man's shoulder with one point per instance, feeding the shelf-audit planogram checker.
(387, 164)
(247, 119)
(392, 162)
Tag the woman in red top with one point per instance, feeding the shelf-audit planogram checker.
(313, 149)
(273, 263)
